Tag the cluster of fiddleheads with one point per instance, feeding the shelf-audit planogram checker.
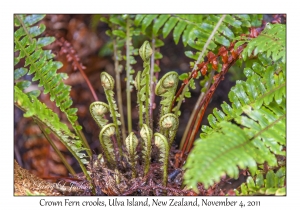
(168, 123)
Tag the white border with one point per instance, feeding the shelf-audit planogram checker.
(8, 8)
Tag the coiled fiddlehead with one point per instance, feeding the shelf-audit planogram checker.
(105, 140)
(131, 143)
(97, 110)
(162, 143)
(146, 134)
(108, 82)
(166, 88)
(145, 52)
(168, 126)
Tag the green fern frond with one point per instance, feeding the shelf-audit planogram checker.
(270, 41)
(273, 184)
(40, 63)
(195, 29)
(221, 153)
(265, 85)
(39, 111)
(258, 106)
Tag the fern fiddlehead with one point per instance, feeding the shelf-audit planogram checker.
(145, 52)
(146, 134)
(98, 110)
(106, 143)
(169, 124)
(107, 82)
(131, 143)
(166, 88)
(163, 145)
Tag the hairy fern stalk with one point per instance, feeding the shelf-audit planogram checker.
(246, 134)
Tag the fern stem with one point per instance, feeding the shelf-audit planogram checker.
(267, 127)
(208, 41)
(128, 93)
(85, 78)
(119, 90)
(60, 155)
(24, 27)
(183, 89)
(203, 105)
(207, 84)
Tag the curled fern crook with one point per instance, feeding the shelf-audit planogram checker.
(105, 140)
(166, 88)
(97, 110)
(169, 126)
(108, 82)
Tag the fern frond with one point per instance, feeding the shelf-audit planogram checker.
(258, 106)
(39, 111)
(265, 85)
(273, 184)
(220, 153)
(195, 29)
(270, 41)
(40, 63)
